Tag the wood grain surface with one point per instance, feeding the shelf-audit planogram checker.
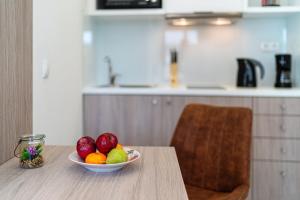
(143, 120)
(277, 126)
(276, 149)
(276, 106)
(15, 73)
(136, 119)
(276, 181)
(155, 176)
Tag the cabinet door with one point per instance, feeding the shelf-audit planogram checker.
(135, 119)
(276, 181)
(277, 126)
(15, 74)
(188, 6)
(276, 149)
(172, 108)
(277, 106)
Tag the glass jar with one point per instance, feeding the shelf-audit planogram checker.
(31, 148)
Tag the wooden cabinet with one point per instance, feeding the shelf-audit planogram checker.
(136, 119)
(276, 126)
(276, 181)
(143, 120)
(15, 74)
(276, 147)
(190, 6)
(151, 120)
(277, 106)
(172, 108)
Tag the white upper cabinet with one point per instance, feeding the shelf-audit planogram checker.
(190, 6)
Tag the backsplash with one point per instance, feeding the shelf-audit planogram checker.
(293, 27)
(135, 46)
(208, 53)
(139, 49)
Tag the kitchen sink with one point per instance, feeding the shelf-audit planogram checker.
(128, 86)
(104, 86)
(136, 86)
(192, 87)
(206, 87)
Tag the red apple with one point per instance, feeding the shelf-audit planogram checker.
(106, 142)
(85, 146)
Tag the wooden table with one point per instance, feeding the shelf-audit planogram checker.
(155, 176)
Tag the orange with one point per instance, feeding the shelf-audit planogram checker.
(95, 158)
(119, 146)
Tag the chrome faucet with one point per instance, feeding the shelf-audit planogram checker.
(112, 76)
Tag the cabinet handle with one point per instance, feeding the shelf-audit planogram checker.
(154, 101)
(283, 107)
(282, 150)
(169, 102)
(283, 173)
(283, 128)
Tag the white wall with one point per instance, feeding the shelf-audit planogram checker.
(57, 101)
(135, 45)
(294, 46)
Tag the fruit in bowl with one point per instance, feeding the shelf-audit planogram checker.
(106, 142)
(116, 155)
(95, 158)
(85, 146)
(104, 155)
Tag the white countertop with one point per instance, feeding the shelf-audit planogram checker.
(228, 91)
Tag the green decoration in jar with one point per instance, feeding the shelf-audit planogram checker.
(31, 150)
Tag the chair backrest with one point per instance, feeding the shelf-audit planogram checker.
(213, 146)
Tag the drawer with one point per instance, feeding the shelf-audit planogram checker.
(276, 126)
(279, 106)
(276, 181)
(276, 149)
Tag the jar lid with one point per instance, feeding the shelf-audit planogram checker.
(32, 137)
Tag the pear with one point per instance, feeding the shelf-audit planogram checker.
(116, 156)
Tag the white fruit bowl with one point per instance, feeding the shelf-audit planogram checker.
(133, 155)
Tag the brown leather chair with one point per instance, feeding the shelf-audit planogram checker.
(213, 149)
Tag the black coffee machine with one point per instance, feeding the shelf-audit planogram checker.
(247, 76)
(283, 69)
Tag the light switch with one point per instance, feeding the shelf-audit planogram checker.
(45, 69)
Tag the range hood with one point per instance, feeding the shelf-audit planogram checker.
(196, 18)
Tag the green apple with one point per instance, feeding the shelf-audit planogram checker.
(116, 156)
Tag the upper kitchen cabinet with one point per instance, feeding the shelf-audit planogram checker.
(192, 6)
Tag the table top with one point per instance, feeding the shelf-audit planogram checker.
(155, 176)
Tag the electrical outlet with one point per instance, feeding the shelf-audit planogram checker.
(274, 46)
(264, 46)
(269, 46)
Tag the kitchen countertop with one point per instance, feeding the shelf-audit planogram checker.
(155, 176)
(182, 91)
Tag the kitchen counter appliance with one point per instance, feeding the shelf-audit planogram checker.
(247, 72)
(128, 4)
(283, 69)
